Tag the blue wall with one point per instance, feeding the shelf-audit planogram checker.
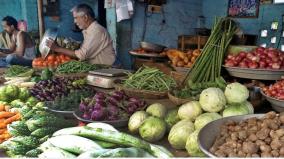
(18, 9)
(180, 17)
(267, 14)
(66, 19)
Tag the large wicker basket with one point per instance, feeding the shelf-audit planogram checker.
(176, 100)
(71, 75)
(145, 94)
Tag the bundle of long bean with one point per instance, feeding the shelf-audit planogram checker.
(146, 78)
(206, 71)
(18, 71)
(77, 67)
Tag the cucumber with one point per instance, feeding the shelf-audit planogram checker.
(160, 152)
(118, 152)
(104, 144)
(56, 153)
(105, 135)
(74, 144)
(19, 149)
(102, 126)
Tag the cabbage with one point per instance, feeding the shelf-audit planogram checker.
(157, 110)
(238, 109)
(236, 93)
(192, 146)
(179, 133)
(136, 120)
(190, 110)
(24, 94)
(172, 118)
(212, 100)
(249, 106)
(152, 129)
(204, 119)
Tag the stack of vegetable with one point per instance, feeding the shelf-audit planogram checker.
(18, 71)
(146, 78)
(17, 75)
(180, 59)
(150, 124)
(98, 140)
(51, 61)
(253, 137)
(69, 102)
(77, 67)
(206, 71)
(48, 90)
(260, 58)
(6, 118)
(36, 127)
(275, 90)
(184, 123)
(212, 105)
(114, 106)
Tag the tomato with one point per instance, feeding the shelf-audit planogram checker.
(51, 58)
(61, 56)
(67, 58)
(44, 64)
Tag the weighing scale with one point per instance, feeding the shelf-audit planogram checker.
(105, 78)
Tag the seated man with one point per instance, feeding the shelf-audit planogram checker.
(21, 50)
(97, 47)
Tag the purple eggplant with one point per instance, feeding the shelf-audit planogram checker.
(98, 114)
(86, 116)
(82, 107)
(112, 101)
(112, 110)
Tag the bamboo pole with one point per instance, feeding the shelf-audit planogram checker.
(40, 18)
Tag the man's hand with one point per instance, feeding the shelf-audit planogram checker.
(52, 44)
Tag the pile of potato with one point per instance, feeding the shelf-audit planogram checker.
(181, 59)
(253, 137)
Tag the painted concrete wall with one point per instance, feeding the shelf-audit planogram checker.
(180, 18)
(20, 9)
(267, 14)
(65, 23)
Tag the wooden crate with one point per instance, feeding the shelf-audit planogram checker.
(190, 42)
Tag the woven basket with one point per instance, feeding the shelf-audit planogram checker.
(71, 75)
(146, 94)
(176, 100)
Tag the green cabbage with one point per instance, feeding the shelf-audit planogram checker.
(236, 93)
(190, 110)
(238, 109)
(153, 129)
(157, 110)
(204, 119)
(12, 92)
(212, 100)
(24, 94)
(136, 120)
(172, 118)
(180, 132)
(192, 146)
(31, 101)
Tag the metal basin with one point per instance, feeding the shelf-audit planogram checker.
(152, 47)
(209, 132)
(276, 104)
(260, 74)
(49, 34)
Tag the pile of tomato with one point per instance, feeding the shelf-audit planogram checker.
(51, 61)
(276, 90)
